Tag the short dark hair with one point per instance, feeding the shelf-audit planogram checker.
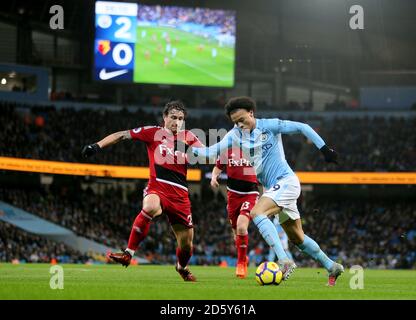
(174, 105)
(243, 102)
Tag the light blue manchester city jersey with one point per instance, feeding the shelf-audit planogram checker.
(263, 147)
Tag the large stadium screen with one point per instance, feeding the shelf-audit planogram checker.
(164, 44)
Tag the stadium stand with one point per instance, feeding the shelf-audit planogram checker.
(377, 236)
(49, 133)
(17, 246)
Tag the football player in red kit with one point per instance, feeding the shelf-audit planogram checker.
(242, 194)
(167, 189)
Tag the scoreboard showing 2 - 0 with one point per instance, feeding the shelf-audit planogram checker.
(164, 44)
(115, 37)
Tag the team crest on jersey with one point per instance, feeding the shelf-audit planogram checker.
(263, 137)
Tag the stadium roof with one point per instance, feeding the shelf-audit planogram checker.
(272, 32)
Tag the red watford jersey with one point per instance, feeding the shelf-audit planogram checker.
(166, 164)
(241, 174)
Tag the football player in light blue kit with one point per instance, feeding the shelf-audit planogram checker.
(261, 142)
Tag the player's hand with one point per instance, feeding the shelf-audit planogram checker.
(214, 183)
(90, 150)
(330, 155)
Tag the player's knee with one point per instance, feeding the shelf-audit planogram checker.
(253, 213)
(242, 224)
(241, 230)
(151, 209)
(185, 245)
(295, 238)
(184, 242)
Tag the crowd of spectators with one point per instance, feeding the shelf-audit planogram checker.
(377, 236)
(103, 218)
(364, 143)
(18, 246)
(367, 144)
(369, 233)
(49, 134)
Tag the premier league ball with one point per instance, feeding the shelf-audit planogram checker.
(268, 273)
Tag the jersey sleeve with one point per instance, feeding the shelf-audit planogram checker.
(221, 162)
(192, 140)
(291, 127)
(145, 134)
(213, 151)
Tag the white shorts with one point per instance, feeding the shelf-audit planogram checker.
(285, 194)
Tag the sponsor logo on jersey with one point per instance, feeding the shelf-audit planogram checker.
(266, 147)
(165, 151)
(239, 163)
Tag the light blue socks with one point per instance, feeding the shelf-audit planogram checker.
(270, 235)
(310, 247)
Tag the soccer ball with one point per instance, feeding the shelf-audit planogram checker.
(268, 273)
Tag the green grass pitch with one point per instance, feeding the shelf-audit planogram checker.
(192, 64)
(149, 282)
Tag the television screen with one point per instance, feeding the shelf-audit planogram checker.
(164, 44)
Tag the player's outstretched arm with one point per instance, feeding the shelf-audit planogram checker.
(298, 127)
(92, 149)
(215, 150)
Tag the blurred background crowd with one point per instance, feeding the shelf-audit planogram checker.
(47, 133)
(376, 233)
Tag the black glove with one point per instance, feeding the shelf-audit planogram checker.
(90, 150)
(329, 154)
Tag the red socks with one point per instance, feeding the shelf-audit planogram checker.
(241, 242)
(183, 256)
(139, 230)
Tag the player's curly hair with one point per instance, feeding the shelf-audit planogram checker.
(174, 105)
(240, 103)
